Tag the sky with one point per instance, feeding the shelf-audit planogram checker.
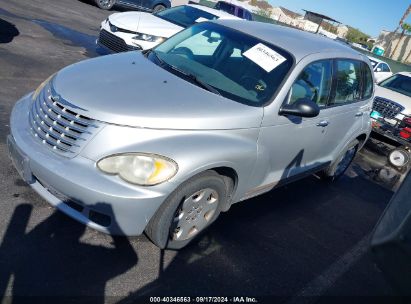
(366, 15)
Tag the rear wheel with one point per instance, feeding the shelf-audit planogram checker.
(105, 4)
(188, 211)
(344, 160)
(158, 8)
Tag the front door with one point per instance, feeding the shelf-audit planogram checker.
(293, 145)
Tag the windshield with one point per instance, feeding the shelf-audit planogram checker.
(238, 66)
(398, 83)
(185, 15)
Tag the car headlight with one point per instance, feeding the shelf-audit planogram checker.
(147, 37)
(41, 86)
(139, 168)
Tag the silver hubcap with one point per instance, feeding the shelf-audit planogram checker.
(159, 8)
(105, 3)
(194, 214)
(345, 161)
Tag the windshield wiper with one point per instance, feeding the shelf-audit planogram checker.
(202, 83)
(192, 77)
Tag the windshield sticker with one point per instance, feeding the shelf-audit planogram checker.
(265, 57)
(201, 19)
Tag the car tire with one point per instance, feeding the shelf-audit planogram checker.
(158, 8)
(343, 161)
(105, 4)
(188, 211)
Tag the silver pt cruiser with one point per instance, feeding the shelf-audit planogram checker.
(164, 140)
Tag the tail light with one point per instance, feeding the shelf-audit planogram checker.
(407, 121)
(405, 133)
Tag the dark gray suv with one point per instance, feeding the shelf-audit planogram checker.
(147, 5)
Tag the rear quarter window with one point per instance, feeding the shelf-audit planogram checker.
(368, 83)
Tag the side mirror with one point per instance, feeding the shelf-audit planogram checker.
(379, 70)
(303, 107)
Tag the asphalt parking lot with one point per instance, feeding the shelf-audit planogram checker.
(309, 238)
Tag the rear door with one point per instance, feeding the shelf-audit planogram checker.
(346, 107)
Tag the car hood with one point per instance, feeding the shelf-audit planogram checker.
(402, 99)
(144, 23)
(128, 89)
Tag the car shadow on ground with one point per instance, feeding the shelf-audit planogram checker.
(50, 260)
(7, 31)
(277, 243)
(272, 244)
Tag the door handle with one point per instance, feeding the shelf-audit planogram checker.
(323, 123)
(359, 114)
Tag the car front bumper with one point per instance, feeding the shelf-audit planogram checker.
(76, 186)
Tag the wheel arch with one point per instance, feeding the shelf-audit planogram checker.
(227, 172)
(362, 138)
(231, 180)
(165, 3)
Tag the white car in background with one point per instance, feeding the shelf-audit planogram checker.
(381, 69)
(391, 116)
(128, 31)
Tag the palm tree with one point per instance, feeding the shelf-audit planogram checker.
(405, 28)
(406, 13)
(408, 56)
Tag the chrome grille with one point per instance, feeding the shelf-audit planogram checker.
(61, 129)
(113, 42)
(387, 108)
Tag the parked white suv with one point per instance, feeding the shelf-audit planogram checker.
(128, 31)
(392, 116)
(381, 69)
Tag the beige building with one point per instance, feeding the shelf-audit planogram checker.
(396, 47)
(284, 15)
(342, 31)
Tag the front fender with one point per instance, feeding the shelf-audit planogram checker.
(194, 151)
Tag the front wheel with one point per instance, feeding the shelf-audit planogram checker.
(188, 211)
(344, 160)
(105, 4)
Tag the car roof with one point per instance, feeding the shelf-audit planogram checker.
(408, 74)
(218, 13)
(376, 59)
(291, 39)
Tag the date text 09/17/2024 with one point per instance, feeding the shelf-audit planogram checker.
(203, 300)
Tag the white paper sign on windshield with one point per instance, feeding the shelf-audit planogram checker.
(201, 19)
(265, 57)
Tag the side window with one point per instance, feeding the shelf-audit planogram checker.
(368, 84)
(348, 81)
(379, 68)
(227, 8)
(385, 68)
(240, 13)
(313, 83)
(248, 16)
